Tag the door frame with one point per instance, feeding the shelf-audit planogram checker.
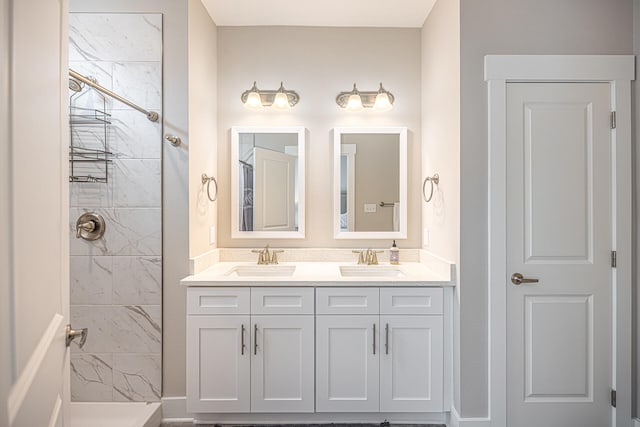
(618, 71)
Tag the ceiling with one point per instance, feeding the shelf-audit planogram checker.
(320, 13)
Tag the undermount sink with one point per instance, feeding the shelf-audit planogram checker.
(262, 270)
(370, 271)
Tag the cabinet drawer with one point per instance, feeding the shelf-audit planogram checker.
(281, 300)
(218, 301)
(347, 300)
(411, 300)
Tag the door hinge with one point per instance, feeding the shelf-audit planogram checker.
(614, 259)
(613, 120)
(613, 398)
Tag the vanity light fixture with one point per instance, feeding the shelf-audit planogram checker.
(355, 100)
(281, 99)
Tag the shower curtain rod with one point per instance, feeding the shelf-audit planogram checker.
(151, 115)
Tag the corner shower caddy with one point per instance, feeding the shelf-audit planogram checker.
(89, 156)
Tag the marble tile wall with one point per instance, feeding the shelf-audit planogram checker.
(116, 281)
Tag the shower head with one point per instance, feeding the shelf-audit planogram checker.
(75, 85)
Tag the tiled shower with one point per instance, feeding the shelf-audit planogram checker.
(116, 281)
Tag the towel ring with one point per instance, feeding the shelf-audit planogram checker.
(207, 180)
(435, 179)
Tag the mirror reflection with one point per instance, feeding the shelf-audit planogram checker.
(266, 180)
(371, 182)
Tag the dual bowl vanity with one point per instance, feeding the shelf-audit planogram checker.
(320, 341)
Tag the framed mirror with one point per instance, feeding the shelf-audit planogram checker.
(267, 182)
(370, 183)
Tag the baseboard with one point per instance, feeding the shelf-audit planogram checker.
(456, 421)
(175, 409)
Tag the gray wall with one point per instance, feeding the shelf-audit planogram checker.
(319, 63)
(509, 27)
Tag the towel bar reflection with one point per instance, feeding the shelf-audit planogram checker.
(435, 179)
(207, 180)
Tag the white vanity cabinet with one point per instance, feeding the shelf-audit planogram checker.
(379, 350)
(411, 360)
(250, 350)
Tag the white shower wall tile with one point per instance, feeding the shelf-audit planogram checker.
(136, 377)
(115, 37)
(92, 194)
(137, 183)
(135, 136)
(137, 329)
(127, 232)
(116, 281)
(137, 280)
(91, 377)
(91, 279)
(99, 322)
(141, 81)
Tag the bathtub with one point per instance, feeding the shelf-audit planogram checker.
(112, 414)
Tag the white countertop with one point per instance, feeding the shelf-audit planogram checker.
(319, 274)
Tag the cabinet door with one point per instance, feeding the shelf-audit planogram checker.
(347, 366)
(218, 364)
(282, 364)
(411, 369)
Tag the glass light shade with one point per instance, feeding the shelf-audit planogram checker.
(354, 103)
(253, 101)
(281, 101)
(382, 102)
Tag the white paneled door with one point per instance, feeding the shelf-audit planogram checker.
(559, 234)
(274, 195)
(34, 253)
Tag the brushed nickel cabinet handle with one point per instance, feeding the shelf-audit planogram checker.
(519, 279)
(374, 338)
(242, 343)
(386, 339)
(255, 339)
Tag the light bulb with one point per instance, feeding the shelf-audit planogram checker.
(354, 103)
(253, 101)
(281, 101)
(382, 102)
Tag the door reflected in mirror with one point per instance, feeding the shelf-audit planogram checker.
(370, 182)
(267, 182)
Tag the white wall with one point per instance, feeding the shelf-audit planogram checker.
(441, 137)
(319, 63)
(203, 125)
(508, 27)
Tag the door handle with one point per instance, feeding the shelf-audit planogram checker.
(519, 279)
